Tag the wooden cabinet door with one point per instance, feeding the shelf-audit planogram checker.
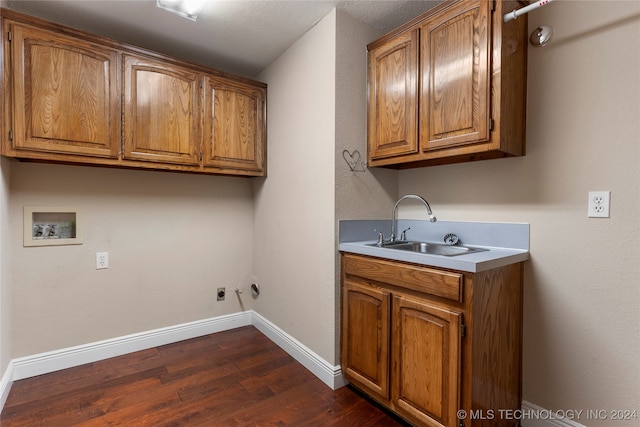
(426, 361)
(66, 97)
(455, 62)
(393, 97)
(365, 337)
(234, 126)
(162, 112)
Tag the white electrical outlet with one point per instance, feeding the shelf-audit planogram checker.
(599, 204)
(102, 260)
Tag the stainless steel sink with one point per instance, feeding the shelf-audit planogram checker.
(432, 248)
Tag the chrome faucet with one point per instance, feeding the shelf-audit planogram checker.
(395, 213)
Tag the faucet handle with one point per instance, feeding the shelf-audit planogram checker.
(403, 235)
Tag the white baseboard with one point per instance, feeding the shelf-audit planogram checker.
(5, 384)
(25, 367)
(43, 363)
(535, 416)
(329, 374)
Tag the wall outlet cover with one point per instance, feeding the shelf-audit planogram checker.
(102, 260)
(599, 203)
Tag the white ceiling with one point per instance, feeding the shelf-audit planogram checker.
(238, 36)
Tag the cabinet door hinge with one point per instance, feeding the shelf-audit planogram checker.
(10, 135)
(491, 124)
(200, 157)
(493, 6)
(463, 330)
(9, 35)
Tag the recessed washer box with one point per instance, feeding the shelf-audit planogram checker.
(51, 226)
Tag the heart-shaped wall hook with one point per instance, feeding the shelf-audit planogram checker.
(353, 160)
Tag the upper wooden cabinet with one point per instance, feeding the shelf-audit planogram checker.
(454, 57)
(162, 104)
(470, 98)
(234, 125)
(80, 98)
(65, 94)
(393, 102)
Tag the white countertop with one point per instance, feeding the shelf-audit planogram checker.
(504, 243)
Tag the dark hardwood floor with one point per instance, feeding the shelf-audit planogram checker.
(232, 378)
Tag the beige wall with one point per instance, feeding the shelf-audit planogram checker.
(172, 240)
(5, 265)
(294, 206)
(582, 284)
(5, 297)
(358, 195)
(317, 108)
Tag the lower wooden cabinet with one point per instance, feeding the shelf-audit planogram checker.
(427, 354)
(425, 349)
(365, 337)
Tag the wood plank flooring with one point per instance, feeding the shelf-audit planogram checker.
(232, 378)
